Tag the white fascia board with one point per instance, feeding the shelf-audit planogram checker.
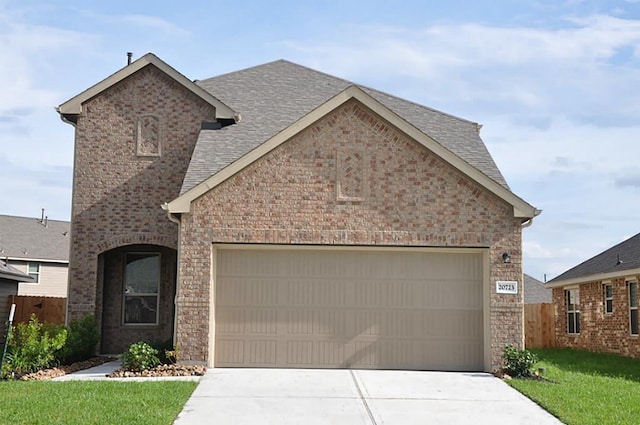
(74, 105)
(593, 278)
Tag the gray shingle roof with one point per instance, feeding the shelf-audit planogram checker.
(10, 273)
(273, 96)
(535, 292)
(628, 252)
(25, 237)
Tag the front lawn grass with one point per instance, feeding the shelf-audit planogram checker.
(92, 402)
(590, 388)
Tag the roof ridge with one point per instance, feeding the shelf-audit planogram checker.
(33, 218)
(344, 80)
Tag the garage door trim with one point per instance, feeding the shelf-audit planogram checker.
(485, 273)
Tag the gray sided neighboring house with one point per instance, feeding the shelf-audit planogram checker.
(38, 248)
(9, 278)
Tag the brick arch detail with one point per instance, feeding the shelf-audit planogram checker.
(136, 239)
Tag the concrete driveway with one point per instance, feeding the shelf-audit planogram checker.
(313, 396)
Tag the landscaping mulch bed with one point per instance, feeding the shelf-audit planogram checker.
(161, 371)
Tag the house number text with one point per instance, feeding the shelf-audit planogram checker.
(507, 286)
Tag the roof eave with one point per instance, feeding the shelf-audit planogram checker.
(521, 209)
(73, 106)
(16, 276)
(593, 278)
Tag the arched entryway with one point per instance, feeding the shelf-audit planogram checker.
(138, 289)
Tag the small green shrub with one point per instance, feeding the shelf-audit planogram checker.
(82, 338)
(171, 356)
(140, 356)
(34, 346)
(518, 363)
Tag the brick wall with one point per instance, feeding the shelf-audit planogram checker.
(132, 148)
(349, 179)
(598, 331)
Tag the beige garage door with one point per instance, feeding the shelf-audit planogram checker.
(348, 309)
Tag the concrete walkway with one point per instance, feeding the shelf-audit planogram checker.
(312, 396)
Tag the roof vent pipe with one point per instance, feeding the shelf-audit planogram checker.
(129, 55)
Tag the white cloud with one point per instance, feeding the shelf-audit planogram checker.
(154, 23)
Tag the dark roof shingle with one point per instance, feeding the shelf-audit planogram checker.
(623, 256)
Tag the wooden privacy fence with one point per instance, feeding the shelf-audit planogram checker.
(47, 309)
(539, 326)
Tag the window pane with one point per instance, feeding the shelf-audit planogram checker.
(142, 281)
(608, 291)
(634, 322)
(609, 306)
(633, 294)
(33, 270)
(572, 323)
(140, 309)
(577, 323)
(142, 273)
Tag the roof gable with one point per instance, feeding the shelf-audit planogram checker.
(275, 95)
(73, 106)
(182, 203)
(620, 260)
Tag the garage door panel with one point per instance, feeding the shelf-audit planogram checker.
(365, 309)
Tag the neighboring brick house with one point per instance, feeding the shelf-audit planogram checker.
(9, 279)
(38, 247)
(535, 292)
(597, 301)
(308, 222)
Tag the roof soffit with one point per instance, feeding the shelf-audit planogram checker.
(521, 208)
(73, 106)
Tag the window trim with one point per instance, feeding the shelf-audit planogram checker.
(124, 288)
(572, 313)
(35, 275)
(606, 298)
(633, 307)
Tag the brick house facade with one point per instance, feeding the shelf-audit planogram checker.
(332, 168)
(607, 299)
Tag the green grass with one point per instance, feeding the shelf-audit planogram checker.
(93, 402)
(590, 388)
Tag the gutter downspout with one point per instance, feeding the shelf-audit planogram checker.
(66, 120)
(176, 220)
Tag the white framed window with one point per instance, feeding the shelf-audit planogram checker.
(33, 270)
(572, 299)
(141, 288)
(633, 308)
(608, 298)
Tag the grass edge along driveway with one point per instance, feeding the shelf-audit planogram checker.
(590, 388)
(93, 402)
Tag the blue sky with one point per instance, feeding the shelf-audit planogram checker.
(555, 85)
